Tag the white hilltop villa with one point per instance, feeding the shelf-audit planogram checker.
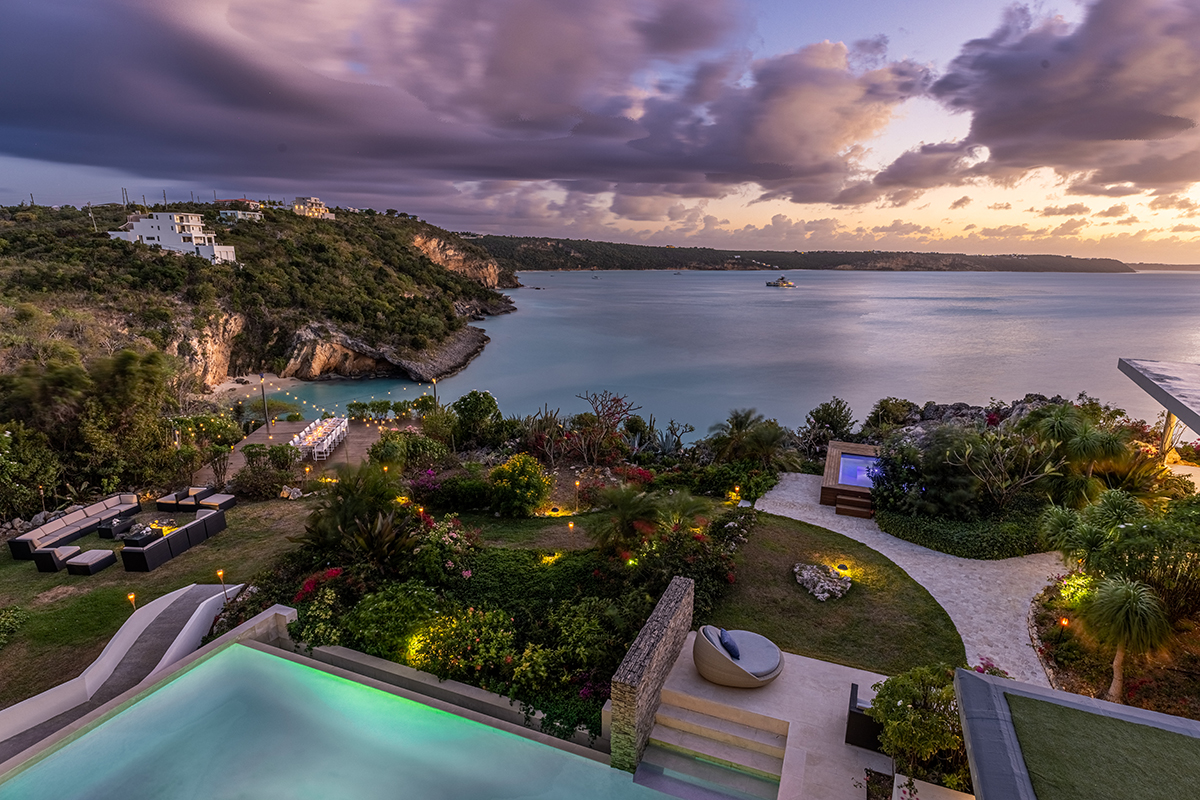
(311, 207)
(176, 231)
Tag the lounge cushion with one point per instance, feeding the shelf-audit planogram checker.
(90, 562)
(53, 559)
(219, 501)
(759, 655)
(145, 559)
(730, 645)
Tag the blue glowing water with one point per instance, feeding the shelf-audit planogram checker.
(245, 724)
(696, 345)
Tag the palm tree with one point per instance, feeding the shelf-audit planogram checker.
(681, 510)
(1129, 615)
(628, 517)
(730, 436)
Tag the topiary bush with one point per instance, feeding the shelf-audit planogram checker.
(519, 486)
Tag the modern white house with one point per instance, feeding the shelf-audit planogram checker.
(233, 215)
(178, 232)
(311, 207)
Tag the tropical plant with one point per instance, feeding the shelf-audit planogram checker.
(383, 623)
(627, 518)
(359, 495)
(1128, 615)
(379, 410)
(476, 415)
(831, 421)
(729, 437)
(921, 729)
(1005, 464)
(386, 543)
(888, 413)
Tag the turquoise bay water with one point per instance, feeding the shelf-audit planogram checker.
(246, 725)
(695, 345)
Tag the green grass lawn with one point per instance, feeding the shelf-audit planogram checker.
(1076, 755)
(535, 532)
(886, 623)
(72, 617)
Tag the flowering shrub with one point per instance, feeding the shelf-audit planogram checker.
(589, 492)
(316, 623)
(446, 549)
(519, 486)
(631, 474)
(313, 581)
(822, 581)
(474, 645)
(11, 619)
(383, 623)
(425, 485)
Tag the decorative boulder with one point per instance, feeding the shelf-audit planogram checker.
(822, 582)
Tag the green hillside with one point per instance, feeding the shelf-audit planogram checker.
(529, 253)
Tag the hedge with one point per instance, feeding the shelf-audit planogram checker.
(985, 539)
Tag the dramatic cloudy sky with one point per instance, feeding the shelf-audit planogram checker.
(956, 125)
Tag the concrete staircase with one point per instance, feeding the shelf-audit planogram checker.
(849, 505)
(731, 751)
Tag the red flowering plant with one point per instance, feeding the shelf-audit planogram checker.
(446, 551)
(635, 474)
(323, 598)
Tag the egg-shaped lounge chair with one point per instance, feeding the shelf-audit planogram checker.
(758, 663)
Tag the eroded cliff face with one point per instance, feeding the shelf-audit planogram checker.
(207, 352)
(483, 270)
(319, 351)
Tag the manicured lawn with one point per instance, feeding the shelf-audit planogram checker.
(72, 617)
(550, 533)
(887, 622)
(1120, 759)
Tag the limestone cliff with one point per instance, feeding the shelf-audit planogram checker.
(207, 352)
(457, 259)
(321, 351)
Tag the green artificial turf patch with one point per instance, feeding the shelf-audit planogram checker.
(1077, 755)
(887, 623)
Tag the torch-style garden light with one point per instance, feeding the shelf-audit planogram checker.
(221, 577)
(132, 600)
(577, 496)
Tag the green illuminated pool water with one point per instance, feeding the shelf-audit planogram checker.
(245, 724)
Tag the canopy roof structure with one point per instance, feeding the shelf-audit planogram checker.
(1174, 384)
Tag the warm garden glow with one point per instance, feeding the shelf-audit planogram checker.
(547, 560)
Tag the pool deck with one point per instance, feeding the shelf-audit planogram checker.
(811, 698)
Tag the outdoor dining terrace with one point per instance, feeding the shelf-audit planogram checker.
(321, 437)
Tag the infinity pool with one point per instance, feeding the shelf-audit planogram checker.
(248, 725)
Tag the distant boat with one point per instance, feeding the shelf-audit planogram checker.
(782, 282)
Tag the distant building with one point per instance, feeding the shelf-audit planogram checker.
(233, 215)
(180, 233)
(311, 207)
(253, 205)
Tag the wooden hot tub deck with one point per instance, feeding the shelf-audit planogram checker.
(853, 501)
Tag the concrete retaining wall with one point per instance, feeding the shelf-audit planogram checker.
(193, 633)
(637, 686)
(67, 695)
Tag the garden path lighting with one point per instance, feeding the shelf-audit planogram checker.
(221, 577)
(1062, 629)
(132, 600)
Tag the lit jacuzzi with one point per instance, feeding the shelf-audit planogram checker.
(854, 470)
(244, 723)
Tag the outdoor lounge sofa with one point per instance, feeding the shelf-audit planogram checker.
(758, 663)
(208, 523)
(861, 730)
(53, 559)
(219, 502)
(186, 500)
(69, 527)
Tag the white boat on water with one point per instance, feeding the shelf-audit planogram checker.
(782, 282)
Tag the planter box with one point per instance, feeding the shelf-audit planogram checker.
(924, 791)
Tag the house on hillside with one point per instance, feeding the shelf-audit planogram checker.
(178, 232)
(253, 205)
(233, 215)
(311, 207)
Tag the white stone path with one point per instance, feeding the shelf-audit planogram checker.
(988, 601)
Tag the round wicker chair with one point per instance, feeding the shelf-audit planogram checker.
(759, 662)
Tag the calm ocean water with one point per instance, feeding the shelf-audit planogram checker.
(695, 345)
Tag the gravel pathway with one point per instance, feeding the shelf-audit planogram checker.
(988, 601)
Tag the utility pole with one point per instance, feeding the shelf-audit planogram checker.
(164, 199)
(32, 202)
(147, 205)
(193, 194)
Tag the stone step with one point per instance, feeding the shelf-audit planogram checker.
(722, 753)
(715, 708)
(721, 730)
(684, 776)
(854, 511)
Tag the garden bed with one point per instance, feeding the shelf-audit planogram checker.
(1168, 681)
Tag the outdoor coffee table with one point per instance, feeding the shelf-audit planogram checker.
(143, 539)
